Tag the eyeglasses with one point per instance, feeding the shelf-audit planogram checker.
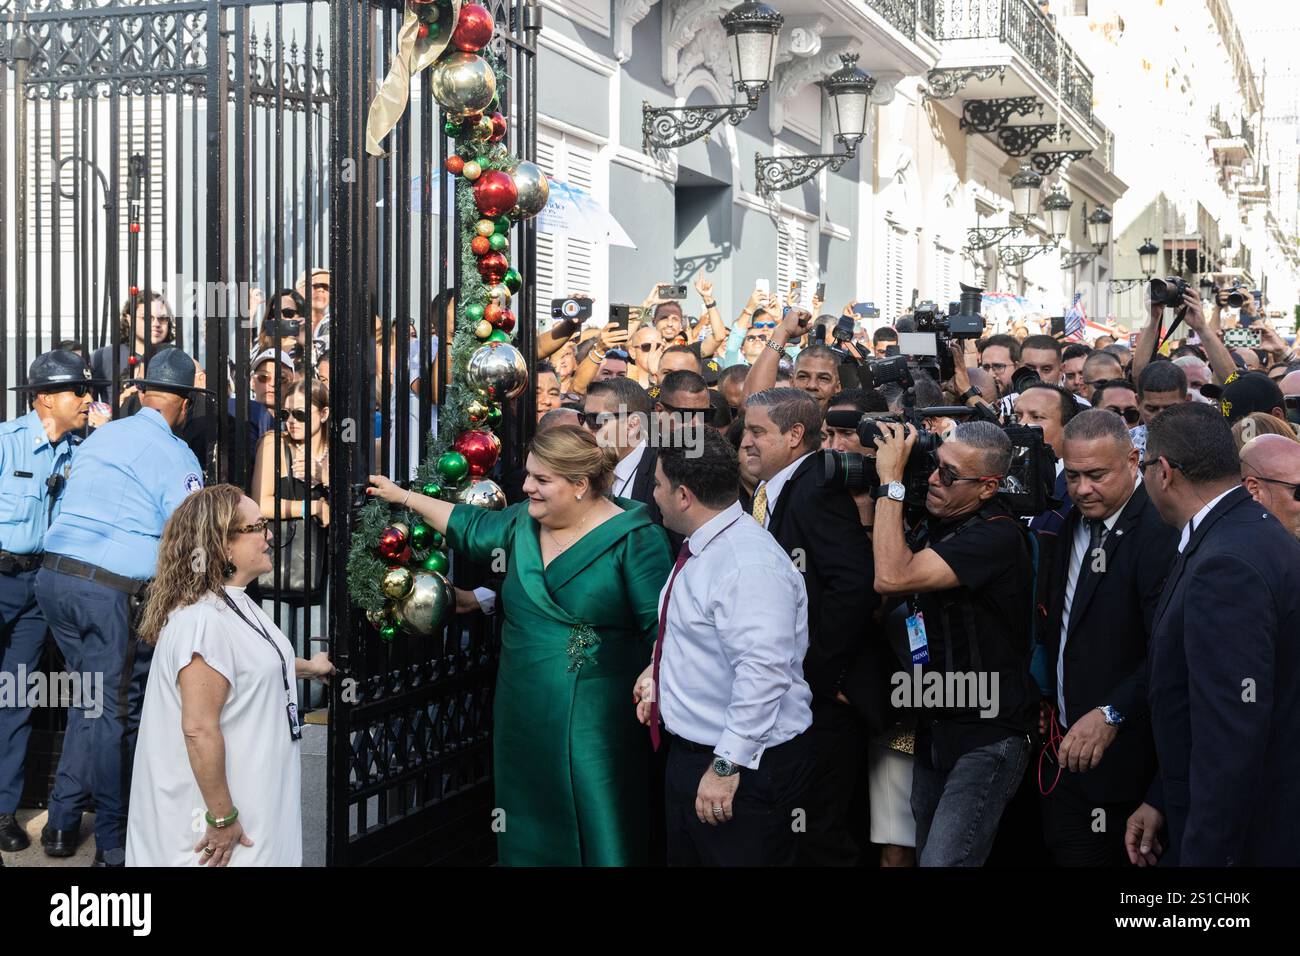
(1130, 415)
(1292, 403)
(257, 528)
(651, 346)
(947, 476)
(289, 313)
(762, 325)
(593, 420)
(619, 354)
(755, 338)
(995, 367)
(320, 286)
(298, 413)
(688, 412)
(81, 390)
(1144, 465)
(1294, 486)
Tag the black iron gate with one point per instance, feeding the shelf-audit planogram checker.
(199, 158)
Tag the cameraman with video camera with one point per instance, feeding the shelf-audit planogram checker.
(966, 576)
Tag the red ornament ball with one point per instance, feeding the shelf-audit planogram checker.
(492, 267)
(480, 449)
(455, 165)
(493, 312)
(405, 556)
(391, 543)
(473, 29)
(480, 246)
(135, 227)
(422, 32)
(507, 323)
(495, 193)
(499, 127)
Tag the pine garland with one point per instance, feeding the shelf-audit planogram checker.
(366, 569)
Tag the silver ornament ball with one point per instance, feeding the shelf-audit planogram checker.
(464, 83)
(498, 371)
(483, 493)
(425, 609)
(534, 190)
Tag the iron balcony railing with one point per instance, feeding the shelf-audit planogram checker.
(1026, 29)
(901, 14)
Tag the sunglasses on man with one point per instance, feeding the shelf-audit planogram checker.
(1292, 403)
(685, 412)
(947, 476)
(593, 420)
(1130, 415)
(651, 346)
(762, 325)
(1294, 486)
(320, 286)
(81, 390)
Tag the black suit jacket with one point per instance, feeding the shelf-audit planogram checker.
(1106, 644)
(1224, 671)
(642, 489)
(820, 529)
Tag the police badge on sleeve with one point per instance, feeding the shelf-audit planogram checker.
(193, 482)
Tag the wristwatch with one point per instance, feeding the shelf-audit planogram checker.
(972, 392)
(894, 491)
(724, 768)
(709, 305)
(1111, 715)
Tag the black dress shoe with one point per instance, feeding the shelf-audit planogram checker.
(59, 842)
(110, 858)
(12, 837)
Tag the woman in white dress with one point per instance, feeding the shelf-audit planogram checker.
(217, 778)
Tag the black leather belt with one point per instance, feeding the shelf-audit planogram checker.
(91, 572)
(11, 563)
(690, 745)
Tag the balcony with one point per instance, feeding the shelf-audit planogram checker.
(901, 14)
(1008, 52)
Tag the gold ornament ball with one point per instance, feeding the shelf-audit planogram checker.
(483, 330)
(472, 171)
(464, 83)
(485, 227)
(477, 410)
(500, 294)
(397, 583)
(425, 608)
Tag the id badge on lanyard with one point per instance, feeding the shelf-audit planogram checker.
(916, 638)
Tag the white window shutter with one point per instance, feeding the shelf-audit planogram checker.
(791, 257)
(568, 263)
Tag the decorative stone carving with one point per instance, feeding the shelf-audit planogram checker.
(683, 19)
(627, 14)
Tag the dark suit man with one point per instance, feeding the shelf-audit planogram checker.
(1224, 661)
(820, 529)
(1109, 566)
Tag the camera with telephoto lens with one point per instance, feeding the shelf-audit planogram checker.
(1026, 489)
(1168, 291)
(1236, 298)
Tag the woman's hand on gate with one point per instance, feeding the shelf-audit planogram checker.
(387, 490)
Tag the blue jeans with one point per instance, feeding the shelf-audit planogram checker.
(958, 807)
(90, 623)
(22, 638)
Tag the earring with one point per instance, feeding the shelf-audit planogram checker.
(228, 568)
(579, 498)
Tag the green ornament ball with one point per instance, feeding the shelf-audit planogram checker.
(432, 489)
(388, 632)
(421, 536)
(451, 128)
(438, 541)
(453, 466)
(498, 336)
(436, 561)
(503, 224)
(474, 312)
(498, 242)
(494, 416)
(513, 280)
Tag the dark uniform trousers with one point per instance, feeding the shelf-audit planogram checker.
(22, 638)
(91, 624)
(1080, 831)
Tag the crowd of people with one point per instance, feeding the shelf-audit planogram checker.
(770, 596)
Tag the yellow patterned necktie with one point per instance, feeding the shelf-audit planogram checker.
(760, 504)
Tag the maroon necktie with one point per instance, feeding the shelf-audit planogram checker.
(682, 557)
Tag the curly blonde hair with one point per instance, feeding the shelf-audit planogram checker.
(191, 555)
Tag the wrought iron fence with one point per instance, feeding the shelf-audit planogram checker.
(901, 14)
(1023, 26)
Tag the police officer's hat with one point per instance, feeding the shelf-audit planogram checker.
(171, 370)
(58, 369)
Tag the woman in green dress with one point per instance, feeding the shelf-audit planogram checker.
(580, 602)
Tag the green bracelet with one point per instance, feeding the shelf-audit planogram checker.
(224, 821)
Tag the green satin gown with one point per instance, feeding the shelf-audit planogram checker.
(569, 754)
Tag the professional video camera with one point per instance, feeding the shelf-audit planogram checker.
(962, 321)
(1025, 490)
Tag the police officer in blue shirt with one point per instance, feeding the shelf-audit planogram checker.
(100, 552)
(35, 457)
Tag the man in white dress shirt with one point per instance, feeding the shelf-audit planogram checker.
(733, 631)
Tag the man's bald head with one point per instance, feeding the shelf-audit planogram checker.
(984, 381)
(1270, 470)
(1290, 383)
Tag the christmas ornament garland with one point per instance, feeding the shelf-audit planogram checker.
(397, 563)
